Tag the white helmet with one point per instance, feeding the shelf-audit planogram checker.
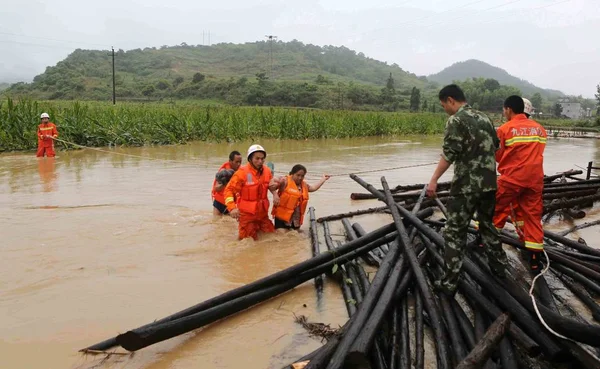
(528, 107)
(44, 115)
(254, 148)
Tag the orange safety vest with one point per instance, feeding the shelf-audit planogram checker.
(521, 154)
(254, 191)
(289, 199)
(219, 195)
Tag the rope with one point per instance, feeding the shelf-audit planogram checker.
(383, 170)
(188, 163)
(119, 153)
(535, 304)
(535, 307)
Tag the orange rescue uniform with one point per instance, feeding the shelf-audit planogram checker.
(219, 195)
(46, 145)
(252, 188)
(290, 199)
(521, 166)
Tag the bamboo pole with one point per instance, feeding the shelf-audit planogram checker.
(482, 351)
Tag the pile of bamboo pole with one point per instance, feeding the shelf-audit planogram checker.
(566, 197)
(489, 323)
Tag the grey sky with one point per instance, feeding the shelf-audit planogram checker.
(551, 43)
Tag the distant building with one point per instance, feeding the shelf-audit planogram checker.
(572, 110)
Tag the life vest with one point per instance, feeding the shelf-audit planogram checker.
(220, 196)
(254, 191)
(289, 199)
(521, 154)
(48, 129)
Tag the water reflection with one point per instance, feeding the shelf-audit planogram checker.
(47, 172)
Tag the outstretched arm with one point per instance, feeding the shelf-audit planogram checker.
(275, 185)
(314, 188)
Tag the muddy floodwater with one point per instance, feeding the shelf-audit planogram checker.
(96, 243)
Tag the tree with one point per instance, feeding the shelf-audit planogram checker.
(390, 82)
(198, 77)
(415, 99)
(321, 80)
(598, 99)
(536, 101)
(162, 85)
(178, 81)
(388, 93)
(557, 110)
(424, 106)
(148, 90)
(491, 84)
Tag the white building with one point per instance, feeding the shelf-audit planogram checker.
(571, 109)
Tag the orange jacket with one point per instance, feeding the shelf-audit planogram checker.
(218, 195)
(289, 199)
(521, 154)
(48, 129)
(252, 189)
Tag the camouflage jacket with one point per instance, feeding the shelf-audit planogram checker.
(470, 143)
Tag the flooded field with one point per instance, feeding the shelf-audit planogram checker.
(96, 243)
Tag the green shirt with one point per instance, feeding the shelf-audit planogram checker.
(470, 143)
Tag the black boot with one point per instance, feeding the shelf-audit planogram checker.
(535, 264)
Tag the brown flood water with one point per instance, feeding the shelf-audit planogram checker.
(94, 244)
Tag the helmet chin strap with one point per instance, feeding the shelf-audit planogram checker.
(260, 170)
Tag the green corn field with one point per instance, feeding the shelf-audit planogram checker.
(96, 124)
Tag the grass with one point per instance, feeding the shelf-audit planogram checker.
(156, 123)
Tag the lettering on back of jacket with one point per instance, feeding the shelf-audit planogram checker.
(532, 131)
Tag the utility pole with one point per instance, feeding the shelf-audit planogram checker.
(271, 38)
(113, 75)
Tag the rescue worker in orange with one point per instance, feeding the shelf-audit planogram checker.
(46, 133)
(235, 161)
(251, 182)
(521, 166)
(293, 197)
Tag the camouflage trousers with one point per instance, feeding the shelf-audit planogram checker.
(460, 212)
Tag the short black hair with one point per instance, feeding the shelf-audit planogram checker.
(298, 167)
(515, 103)
(452, 91)
(233, 154)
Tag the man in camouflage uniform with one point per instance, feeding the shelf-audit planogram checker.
(470, 143)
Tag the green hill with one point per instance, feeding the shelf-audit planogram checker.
(229, 72)
(478, 69)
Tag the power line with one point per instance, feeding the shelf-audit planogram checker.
(37, 45)
(51, 39)
(475, 13)
(513, 16)
(413, 21)
(415, 38)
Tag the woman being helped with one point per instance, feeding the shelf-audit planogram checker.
(292, 191)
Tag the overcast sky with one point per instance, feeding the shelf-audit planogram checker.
(551, 43)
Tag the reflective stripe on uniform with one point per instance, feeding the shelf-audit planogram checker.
(534, 245)
(525, 139)
(228, 200)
